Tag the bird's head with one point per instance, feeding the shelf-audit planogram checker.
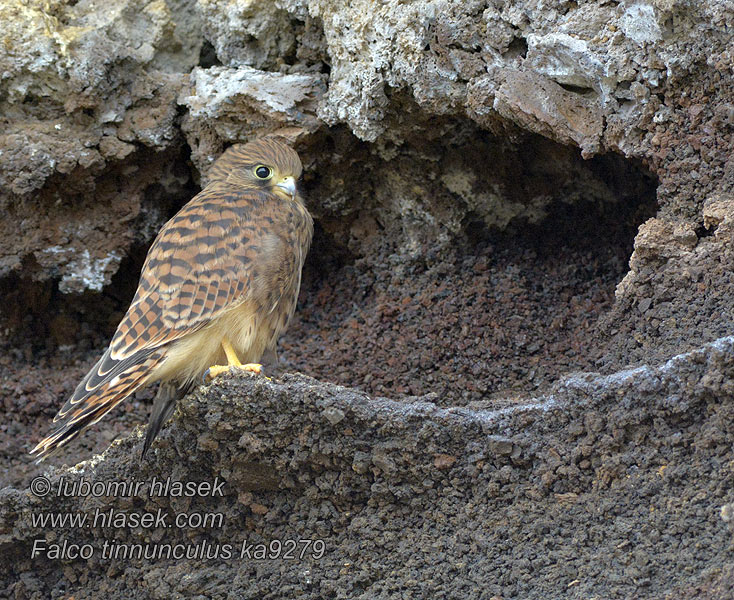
(267, 163)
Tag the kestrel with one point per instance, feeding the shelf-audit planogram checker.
(218, 287)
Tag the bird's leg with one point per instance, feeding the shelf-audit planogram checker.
(232, 362)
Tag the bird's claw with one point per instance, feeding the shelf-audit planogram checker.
(216, 370)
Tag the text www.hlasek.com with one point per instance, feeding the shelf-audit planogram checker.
(112, 518)
(289, 549)
(124, 519)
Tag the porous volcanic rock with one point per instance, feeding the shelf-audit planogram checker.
(609, 486)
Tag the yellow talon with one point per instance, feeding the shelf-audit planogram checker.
(214, 371)
(232, 363)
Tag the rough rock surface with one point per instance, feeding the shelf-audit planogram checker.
(611, 487)
(504, 193)
(89, 132)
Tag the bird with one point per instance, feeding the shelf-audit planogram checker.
(217, 289)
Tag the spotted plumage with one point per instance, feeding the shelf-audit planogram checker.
(221, 278)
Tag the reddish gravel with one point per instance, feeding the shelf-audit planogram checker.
(501, 317)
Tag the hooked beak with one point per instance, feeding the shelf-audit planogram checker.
(289, 185)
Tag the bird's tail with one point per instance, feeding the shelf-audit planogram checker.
(107, 384)
(163, 407)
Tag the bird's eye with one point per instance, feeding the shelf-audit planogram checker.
(263, 172)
